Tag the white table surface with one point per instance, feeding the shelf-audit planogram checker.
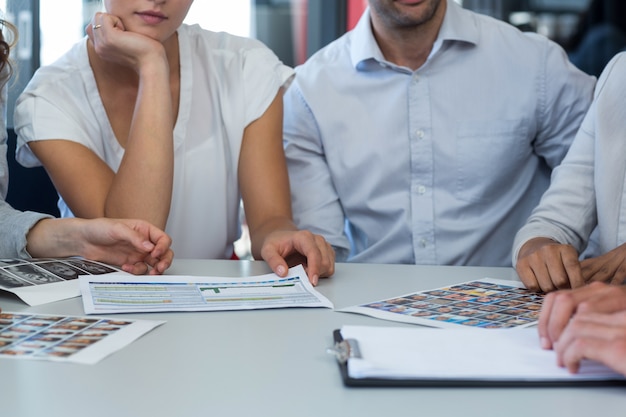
(266, 362)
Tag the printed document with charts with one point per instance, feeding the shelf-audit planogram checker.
(113, 293)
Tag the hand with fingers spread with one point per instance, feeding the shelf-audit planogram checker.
(586, 323)
(283, 249)
(559, 307)
(545, 265)
(595, 336)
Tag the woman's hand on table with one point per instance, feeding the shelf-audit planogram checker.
(284, 249)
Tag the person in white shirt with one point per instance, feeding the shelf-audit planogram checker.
(588, 191)
(148, 117)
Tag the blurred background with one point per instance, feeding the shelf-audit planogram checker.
(295, 29)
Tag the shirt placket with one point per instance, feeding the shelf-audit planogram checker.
(422, 160)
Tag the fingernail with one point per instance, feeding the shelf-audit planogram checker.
(148, 245)
(545, 343)
(281, 270)
(315, 279)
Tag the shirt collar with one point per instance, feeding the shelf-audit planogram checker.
(458, 25)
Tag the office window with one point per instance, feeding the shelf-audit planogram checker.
(56, 38)
(232, 16)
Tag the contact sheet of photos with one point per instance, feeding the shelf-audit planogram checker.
(487, 303)
(23, 276)
(66, 338)
(26, 272)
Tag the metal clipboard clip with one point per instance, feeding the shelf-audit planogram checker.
(344, 350)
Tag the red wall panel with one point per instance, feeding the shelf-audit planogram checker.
(355, 10)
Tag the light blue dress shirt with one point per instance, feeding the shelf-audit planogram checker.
(589, 188)
(441, 165)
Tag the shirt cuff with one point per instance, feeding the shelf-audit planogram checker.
(24, 222)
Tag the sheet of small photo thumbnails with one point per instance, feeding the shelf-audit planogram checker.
(485, 303)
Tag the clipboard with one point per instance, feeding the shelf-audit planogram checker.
(346, 349)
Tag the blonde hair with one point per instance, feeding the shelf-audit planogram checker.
(6, 67)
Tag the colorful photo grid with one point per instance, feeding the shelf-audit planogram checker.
(52, 337)
(18, 273)
(482, 303)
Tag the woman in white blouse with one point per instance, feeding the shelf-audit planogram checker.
(148, 117)
(135, 245)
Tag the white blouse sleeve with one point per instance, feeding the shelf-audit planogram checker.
(263, 74)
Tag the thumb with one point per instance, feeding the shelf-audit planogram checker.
(136, 239)
(274, 260)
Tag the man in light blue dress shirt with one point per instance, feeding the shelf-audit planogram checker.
(428, 133)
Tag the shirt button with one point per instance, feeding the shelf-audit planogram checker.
(421, 190)
(419, 134)
(423, 243)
